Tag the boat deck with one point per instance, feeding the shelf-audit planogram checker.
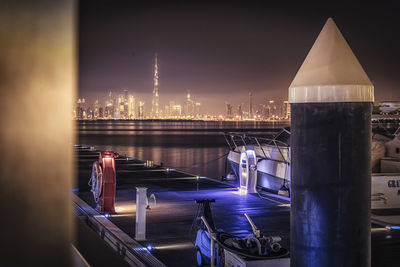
(169, 222)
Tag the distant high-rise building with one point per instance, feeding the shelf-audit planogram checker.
(89, 113)
(141, 110)
(131, 107)
(96, 109)
(286, 110)
(80, 109)
(189, 105)
(108, 110)
(251, 105)
(101, 112)
(155, 102)
(167, 112)
(260, 112)
(271, 109)
(240, 112)
(197, 110)
(125, 103)
(176, 111)
(229, 113)
(120, 107)
(125, 94)
(109, 107)
(171, 107)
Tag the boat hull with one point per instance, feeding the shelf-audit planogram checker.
(271, 175)
(385, 187)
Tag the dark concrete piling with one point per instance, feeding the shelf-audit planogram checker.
(330, 151)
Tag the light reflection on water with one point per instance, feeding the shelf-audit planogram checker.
(194, 147)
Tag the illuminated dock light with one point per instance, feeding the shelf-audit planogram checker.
(119, 209)
(241, 191)
(149, 247)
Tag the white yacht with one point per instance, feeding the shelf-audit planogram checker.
(264, 164)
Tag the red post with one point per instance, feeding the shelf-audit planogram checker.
(106, 201)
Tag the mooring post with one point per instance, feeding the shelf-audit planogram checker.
(141, 203)
(330, 101)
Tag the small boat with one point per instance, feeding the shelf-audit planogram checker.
(263, 164)
(260, 163)
(219, 248)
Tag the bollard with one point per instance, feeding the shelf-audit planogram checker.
(106, 201)
(141, 203)
(330, 101)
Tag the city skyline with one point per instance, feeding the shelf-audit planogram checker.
(234, 51)
(189, 110)
(123, 105)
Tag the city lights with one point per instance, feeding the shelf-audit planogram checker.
(125, 107)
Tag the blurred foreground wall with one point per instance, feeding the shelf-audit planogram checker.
(37, 87)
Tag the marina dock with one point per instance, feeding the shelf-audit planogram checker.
(169, 234)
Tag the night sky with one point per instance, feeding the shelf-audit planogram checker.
(221, 51)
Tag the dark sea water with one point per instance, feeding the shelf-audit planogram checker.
(196, 147)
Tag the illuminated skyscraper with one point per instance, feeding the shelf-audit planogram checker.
(155, 102)
(176, 111)
(96, 109)
(251, 105)
(272, 109)
(229, 113)
(197, 110)
(125, 104)
(240, 112)
(286, 110)
(109, 107)
(131, 107)
(141, 110)
(80, 109)
(101, 112)
(189, 105)
(167, 112)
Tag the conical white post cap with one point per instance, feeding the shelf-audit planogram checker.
(331, 72)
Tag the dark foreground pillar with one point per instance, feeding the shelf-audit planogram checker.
(37, 87)
(330, 184)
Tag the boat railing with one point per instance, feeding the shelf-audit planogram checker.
(235, 140)
(397, 132)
